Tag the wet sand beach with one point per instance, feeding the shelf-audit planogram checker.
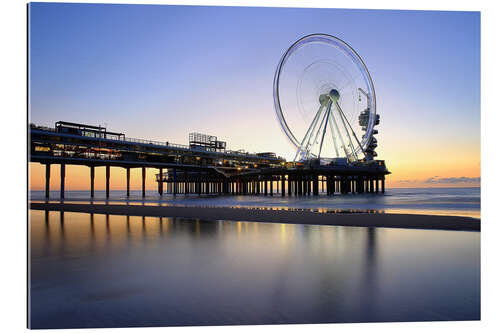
(388, 220)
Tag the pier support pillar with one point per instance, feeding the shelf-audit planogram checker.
(63, 176)
(92, 178)
(186, 187)
(160, 182)
(175, 182)
(289, 183)
(198, 185)
(299, 185)
(128, 182)
(315, 185)
(108, 171)
(282, 185)
(47, 180)
(271, 188)
(143, 182)
(376, 185)
(383, 184)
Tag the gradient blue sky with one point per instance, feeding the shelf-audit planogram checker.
(160, 72)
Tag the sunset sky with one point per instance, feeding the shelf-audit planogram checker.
(160, 72)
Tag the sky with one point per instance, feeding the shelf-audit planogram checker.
(159, 72)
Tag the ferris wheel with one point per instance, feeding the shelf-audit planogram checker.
(324, 99)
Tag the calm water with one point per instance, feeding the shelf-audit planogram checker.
(104, 271)
(434, 201)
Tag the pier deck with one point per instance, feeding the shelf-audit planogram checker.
(196, 169)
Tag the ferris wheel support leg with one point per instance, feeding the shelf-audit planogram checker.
(324, 129)
(309, 132)
(333, 135)
(339, 134)
(305, 149)
(339, 111)
(353, 133)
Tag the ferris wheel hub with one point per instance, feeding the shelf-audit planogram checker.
(324, 99)
(334, 95)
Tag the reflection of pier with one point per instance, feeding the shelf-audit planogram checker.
(204, 166)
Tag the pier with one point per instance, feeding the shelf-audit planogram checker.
(203, 167)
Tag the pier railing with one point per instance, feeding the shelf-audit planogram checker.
(153, 142)
(165, 144)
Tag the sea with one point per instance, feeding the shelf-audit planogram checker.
(428, 201)
(99, 270)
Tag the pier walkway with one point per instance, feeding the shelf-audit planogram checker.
(204, 166)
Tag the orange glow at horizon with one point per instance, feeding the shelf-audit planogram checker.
(78, 178)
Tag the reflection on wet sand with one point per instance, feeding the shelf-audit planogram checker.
(191, 271)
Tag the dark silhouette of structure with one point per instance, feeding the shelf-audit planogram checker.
(204, 166)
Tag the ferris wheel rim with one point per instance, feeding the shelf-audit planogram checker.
(276, 94)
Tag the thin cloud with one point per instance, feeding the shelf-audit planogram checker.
(453, 180)
(407, 181)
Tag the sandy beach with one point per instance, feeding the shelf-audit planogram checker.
(416, 221)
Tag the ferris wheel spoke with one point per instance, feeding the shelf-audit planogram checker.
(340, 136)
(305, 144)
(344, 120)
(318, 131)
(353, 133)
(309, 131)
(333, 135)
(315, 131)
(324, 129)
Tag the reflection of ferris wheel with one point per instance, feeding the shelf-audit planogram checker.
(325, 100)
